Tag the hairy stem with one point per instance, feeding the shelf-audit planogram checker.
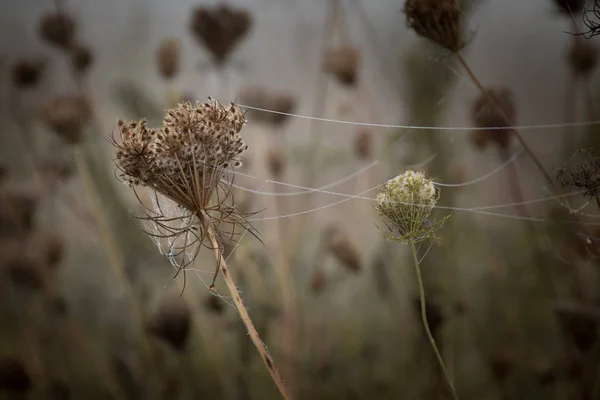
(241, 308)
(426, 323)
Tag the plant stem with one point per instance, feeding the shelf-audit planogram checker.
(241, 308)
(426, 323)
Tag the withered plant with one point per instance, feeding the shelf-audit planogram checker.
(189, 165)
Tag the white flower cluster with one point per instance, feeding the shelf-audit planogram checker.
(405, 203)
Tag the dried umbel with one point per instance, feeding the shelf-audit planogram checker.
(485, 114)
(189, 162)
(436, 20)
(405, 203)
(81, 58)
(267, 99)
(341, 247)
(570, 7)
(585, 176)
(171, 322)
(58, 29)
(583, 56)
(167, 57)
(220, 29)
(26, 73)
(363, 144)
(67, 116)
(343, 63)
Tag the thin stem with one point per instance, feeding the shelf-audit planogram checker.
(426, 323)
(241, 308)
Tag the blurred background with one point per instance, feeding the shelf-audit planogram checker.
(89, 307)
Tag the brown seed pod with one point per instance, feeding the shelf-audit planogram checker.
(81, 58)
(13, 375)
(436, 20)
(343, 63)
(171, 322)
(276, 161)
(58, 29)
(167, 57)
(27, 73)
(267, 99)
(66, 116)
(220, 29)
(485, 114)
(340, 246)
(582, 56)
(363, 144)
(570, 7)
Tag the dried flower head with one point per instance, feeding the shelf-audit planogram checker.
(570, 7)
(26, 73)
(341, 247)
(167, 57)
(276, 161)
(66, 116)
(267, 99)
(220, 29)
(343, 63)
(586, 176)
(583, 56)
(171, 322)
(13, 375)
(436, 20)
(405, 203)
(486, 115)
(58, 29)
(81, 58)
(363, 144)
(189, 162)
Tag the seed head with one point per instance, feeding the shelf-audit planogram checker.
(583, 56)
(343, 63)
(220, 29)
(436, 20)
(171, 322)
(81, 58)
(26, 73)
(58, 29)
(485, 114)
(405, 203)
(167, 57)
(585, 176)
(67, 116)
(342, 248)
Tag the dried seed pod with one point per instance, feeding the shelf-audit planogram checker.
(167, 57)
(66, 116)
(26, 73)
(81, 58)
(318, 280)
(340, 246)
(58, 29)
(267, 99)
(485, 114)
(171, 322)
(582, 56)
(220, 29)
(276, 161)
(570, 7)
(363, 147)
(343, 63)
(13, 375)
(436, 20)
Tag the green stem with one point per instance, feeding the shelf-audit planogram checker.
(426, 323)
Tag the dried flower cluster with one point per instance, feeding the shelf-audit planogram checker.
(26, 73)
(343, 63)
(188, 161)
(220, 29)
(167, 57)
(405, 203)
(586, 176)
(67, 116)
(172, 321)
(338, 243)
(436, 20)
(58, 29)
(486, 115)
